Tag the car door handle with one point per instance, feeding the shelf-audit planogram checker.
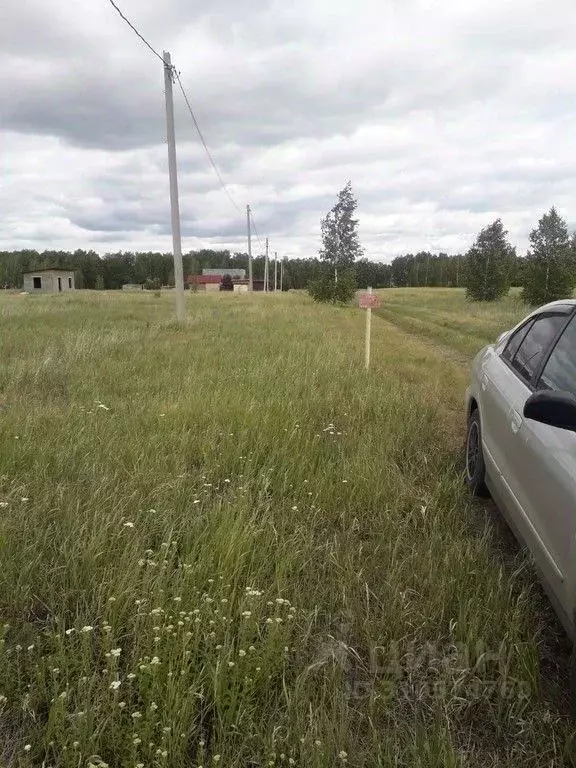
(515, 421)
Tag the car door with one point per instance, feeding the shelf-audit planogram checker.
(507, 380)
(500, 387)
(545, 464)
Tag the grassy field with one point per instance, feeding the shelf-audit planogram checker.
(227, 545)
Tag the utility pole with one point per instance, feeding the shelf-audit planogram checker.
(275, 271)
(266, 278)
(250, 280)
(174, 206)
(282, 276)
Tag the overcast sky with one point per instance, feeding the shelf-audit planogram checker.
(444, 114)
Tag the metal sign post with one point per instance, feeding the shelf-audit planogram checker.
(369, 301)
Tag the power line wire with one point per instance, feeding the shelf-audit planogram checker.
(205, 145)
(255, 229)
(176, 75)
(133, 28)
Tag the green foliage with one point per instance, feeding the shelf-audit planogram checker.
(549, 266)
(340, 240)
(152, 284)
(426, 270)
(328, 290)
(227, 283)
(489, 264)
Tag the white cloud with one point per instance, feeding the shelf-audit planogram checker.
(444, 115)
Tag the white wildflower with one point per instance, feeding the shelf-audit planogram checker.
(115, 684)
(116, 652)
(87, 628)
(128, 525)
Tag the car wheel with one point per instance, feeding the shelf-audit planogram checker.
(573, 680)
(475, 467)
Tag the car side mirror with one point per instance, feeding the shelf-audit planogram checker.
(557, 409)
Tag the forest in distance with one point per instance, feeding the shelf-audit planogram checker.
(111, 271)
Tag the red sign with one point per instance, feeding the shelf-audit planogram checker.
(369, 301)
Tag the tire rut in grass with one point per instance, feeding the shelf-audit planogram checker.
(428, 340)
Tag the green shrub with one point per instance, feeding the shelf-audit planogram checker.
(327, 289)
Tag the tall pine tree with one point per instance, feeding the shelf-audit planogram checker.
(548, 267)
(489, 264)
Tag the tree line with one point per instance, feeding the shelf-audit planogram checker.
(113, 270)
(487, 270)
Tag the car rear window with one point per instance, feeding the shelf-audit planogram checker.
(536, 344)
(515, 341)
(560, 371)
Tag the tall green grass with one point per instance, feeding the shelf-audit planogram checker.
(226, 544)
(445, 316)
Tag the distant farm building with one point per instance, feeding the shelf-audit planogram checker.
(204, 282)
(49, 281)
(235, 274)
(211, 282)
(132, 287)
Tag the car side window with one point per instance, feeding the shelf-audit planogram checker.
(559, 372)
(536, 344)
(515, 341)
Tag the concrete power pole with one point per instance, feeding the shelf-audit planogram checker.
(282, 275)
(250, 280)
(275, 271)
(174, 205)
(266, 278)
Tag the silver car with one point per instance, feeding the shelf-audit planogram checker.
(521, 442)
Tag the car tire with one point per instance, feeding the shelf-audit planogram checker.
(573, 681)
(475, 469)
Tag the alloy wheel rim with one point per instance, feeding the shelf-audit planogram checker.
(472, 450)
